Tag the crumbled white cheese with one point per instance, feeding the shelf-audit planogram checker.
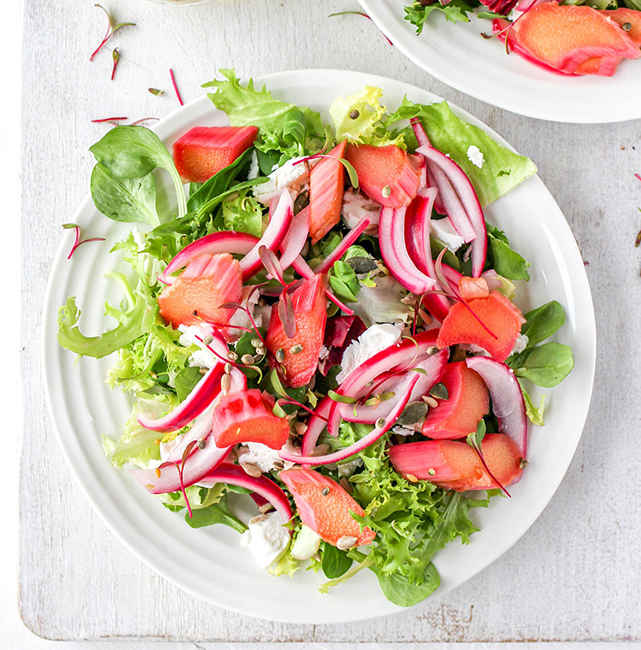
(324, 353)
(288, 176)
(203, 357)
(263, 456)
(444, 231)
(356, 207)
(266, 538)
(254, 169)
(347, 469)
(370, 342)
(520, 344)
(475, 156)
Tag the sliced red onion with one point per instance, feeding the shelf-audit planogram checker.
(418, 230)
(203, 424)
(218, 242)
(452, 204)
(315, 426)
(419, 132)
(470, 202)
(391, 237)
(341, 249)
(363, 443)
(196, 402)
(507, 398)
(295, 238)
(433, 368)
(166, 478)
(261, 485)
(273, 236)
(403, 354)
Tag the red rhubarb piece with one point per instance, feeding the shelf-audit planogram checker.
(499, 315)
(197, 294)
(325, 506)
(247, 416)
(326, 188)
(204, 150)
(300, 354)
(456, 466)
(388, 175)
(468, 401)
(564, 37)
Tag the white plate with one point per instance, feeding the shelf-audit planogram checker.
(457, 55)
(209, 562)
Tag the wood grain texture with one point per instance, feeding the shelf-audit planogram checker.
(573, 576)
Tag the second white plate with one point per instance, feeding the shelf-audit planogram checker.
(457, 55)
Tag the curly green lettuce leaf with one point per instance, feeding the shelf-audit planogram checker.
(502, 170)
(357, 118)
(134, 323)
(242, 213)
(455, 11)
(283, 128)
(534, 414)
(138, 446)
(286, 564)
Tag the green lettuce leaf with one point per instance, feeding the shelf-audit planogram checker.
(502, 170)
(242, 213)
(455, 11)
(134, 323)
(357, 118)
(505, 261)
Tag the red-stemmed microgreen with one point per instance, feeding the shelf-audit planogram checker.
(175, 85)
(110, 120)
(116, 57)
(271, 263)
(638, 176)
(358, 13)
(77, 241)
(475, 440)
(112, 28)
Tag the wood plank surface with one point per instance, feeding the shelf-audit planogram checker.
(573, 576)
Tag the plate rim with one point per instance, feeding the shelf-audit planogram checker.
(384, 18)
(359, 78)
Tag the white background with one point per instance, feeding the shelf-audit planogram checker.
(12, 634)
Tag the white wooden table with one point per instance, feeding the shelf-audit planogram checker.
(574, 575)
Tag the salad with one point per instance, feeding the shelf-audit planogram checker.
(324, 324)
(572, 37)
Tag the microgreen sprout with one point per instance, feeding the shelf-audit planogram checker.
(475, 440)
(112, 28)
(77, 241)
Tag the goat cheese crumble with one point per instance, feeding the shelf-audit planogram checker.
(475, 156)
(263, 456)
(370, 342)
(266, 538)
